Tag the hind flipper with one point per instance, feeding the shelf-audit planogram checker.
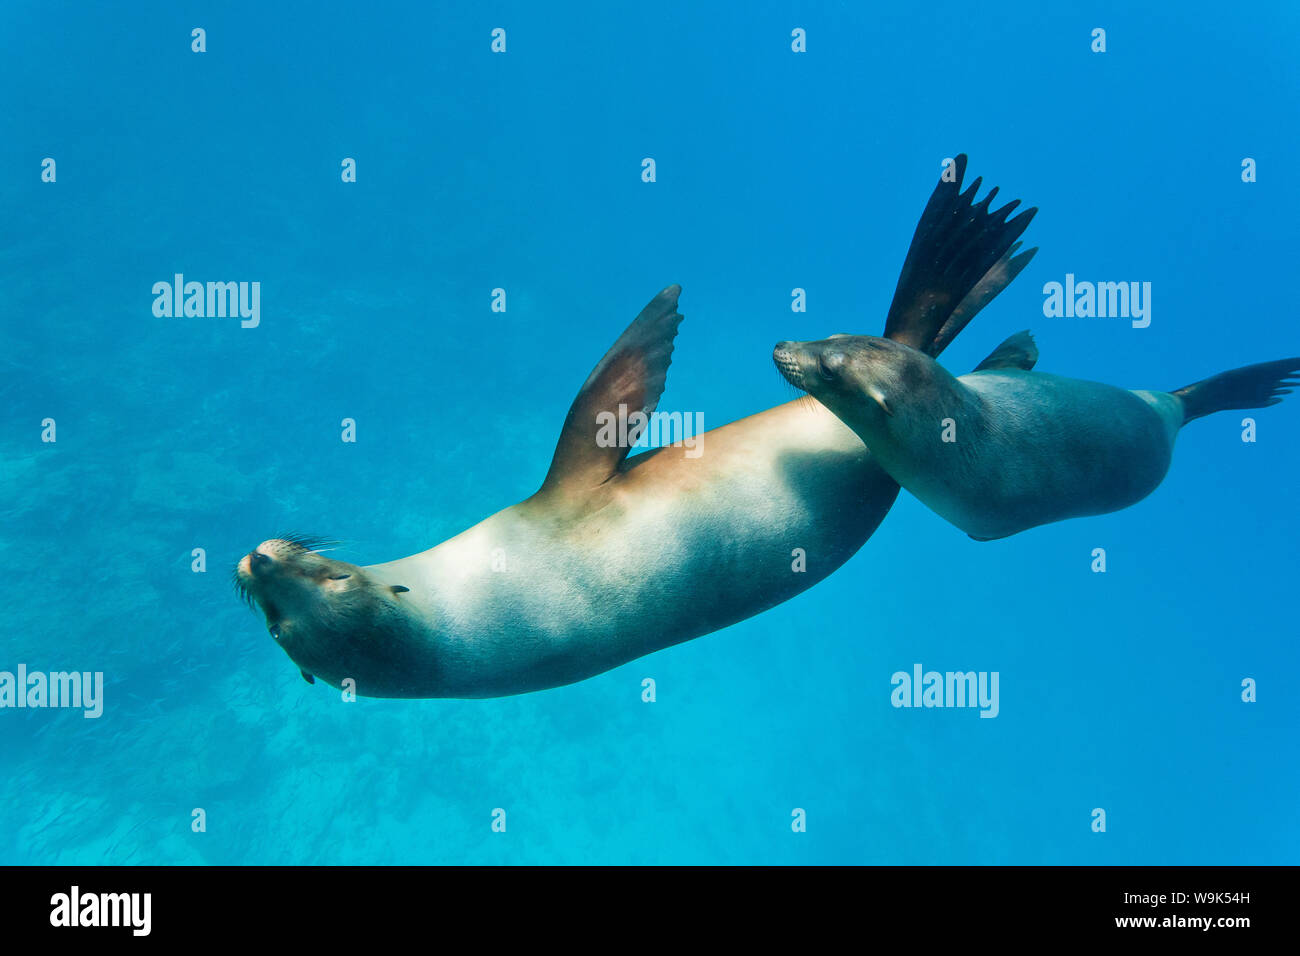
(1254, 386)
(957, 244)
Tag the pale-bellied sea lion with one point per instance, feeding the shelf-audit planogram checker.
(616, 557)
(1004, 448)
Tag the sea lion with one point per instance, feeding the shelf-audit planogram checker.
(1004, 448)
(616, 557)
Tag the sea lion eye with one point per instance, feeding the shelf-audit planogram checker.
(275, 631)
(829, 365)
(339, 577)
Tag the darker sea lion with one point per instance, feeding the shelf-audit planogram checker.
(1004, 448)
(616, 557)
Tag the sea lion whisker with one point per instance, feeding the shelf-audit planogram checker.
(808, 402)
(241, 588)
(308, 542)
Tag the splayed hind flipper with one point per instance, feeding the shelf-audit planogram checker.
(957, 249)
(1254, 386)
(1019, 351)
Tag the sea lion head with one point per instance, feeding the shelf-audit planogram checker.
(334, 620)
(873, 385)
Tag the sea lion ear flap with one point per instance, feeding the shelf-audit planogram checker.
(627, 382)
(876, 395)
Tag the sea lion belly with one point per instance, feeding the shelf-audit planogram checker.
(1045, 448)
(671, 549)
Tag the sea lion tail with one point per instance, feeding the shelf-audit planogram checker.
(1255, 386)
(962, 255)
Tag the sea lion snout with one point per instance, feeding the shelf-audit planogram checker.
(245, 568)
(786, 357)
(262, 558)
(280, 564)
(811, 365)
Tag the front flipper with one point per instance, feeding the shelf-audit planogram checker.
(1019, 351)
(961, 256)
(993, 282)
(632, 374)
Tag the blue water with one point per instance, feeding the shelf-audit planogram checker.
(775, 170)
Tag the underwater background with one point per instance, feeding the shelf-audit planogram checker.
(775, 170)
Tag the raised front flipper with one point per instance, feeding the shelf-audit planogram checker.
(994, 281)
(961, 257)
(632, 375)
